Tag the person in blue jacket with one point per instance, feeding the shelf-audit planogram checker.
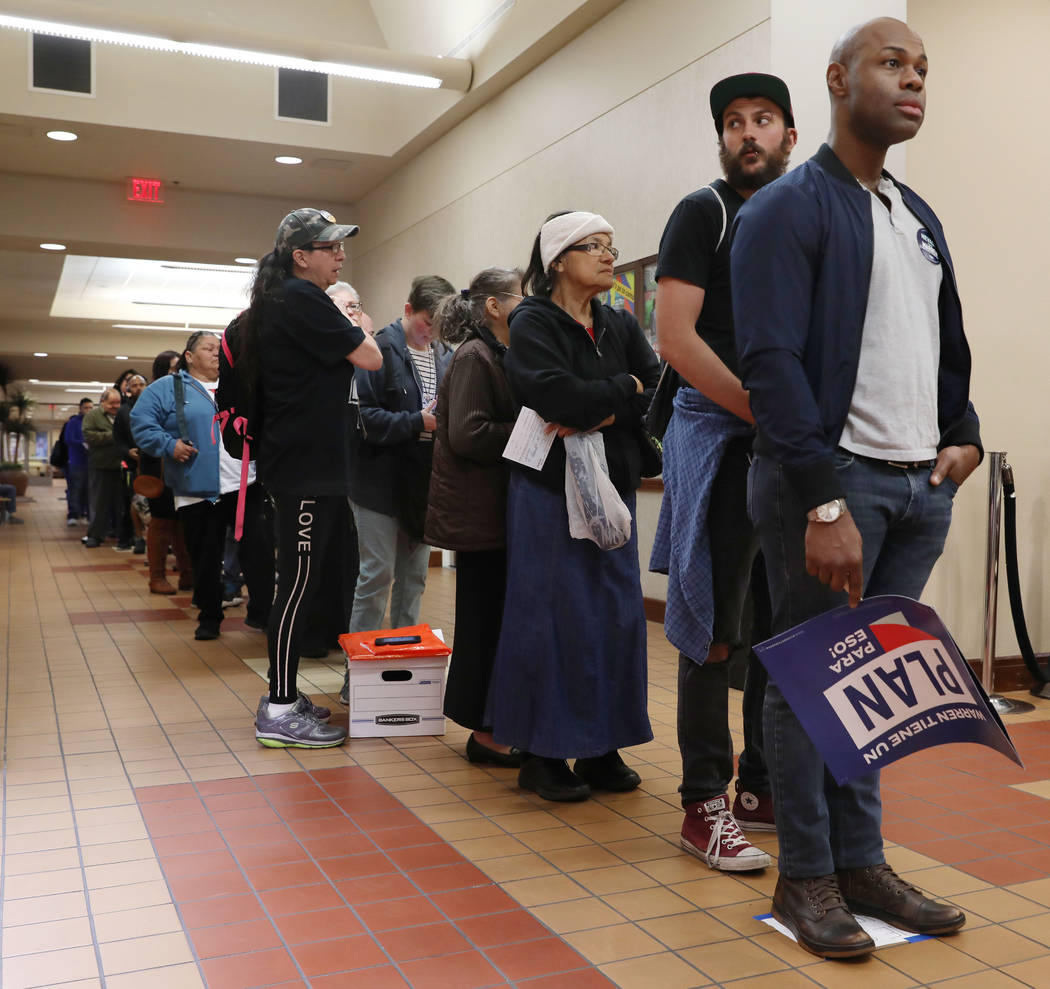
(173, 419)
(858, 375)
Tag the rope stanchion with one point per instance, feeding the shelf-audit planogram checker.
(996, 468)
(1040, 674)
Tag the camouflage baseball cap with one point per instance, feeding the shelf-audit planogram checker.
(304, 226)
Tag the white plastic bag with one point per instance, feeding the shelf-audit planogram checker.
(596, 511)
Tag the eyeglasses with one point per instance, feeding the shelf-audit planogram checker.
(509, 295)
(593, 247)
(336, 248)
(353, 307)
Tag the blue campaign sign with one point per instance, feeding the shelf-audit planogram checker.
(874, 683)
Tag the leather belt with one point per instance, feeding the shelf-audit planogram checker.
(899, 464)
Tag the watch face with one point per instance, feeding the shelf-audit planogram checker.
(829, 512)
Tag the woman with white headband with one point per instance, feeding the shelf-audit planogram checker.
(570, 670)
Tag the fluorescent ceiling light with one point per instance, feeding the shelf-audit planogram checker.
(40, 353)
(246, 260)
(220, 52)
(53, 247)
(145, 326)
(61, 135)
(34, 381)
(288, 160)
(69, 384)
(120, 357)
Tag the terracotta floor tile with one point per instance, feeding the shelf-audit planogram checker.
(448, 877)
(202, 887)
(473, 902)
(247, 800)
(534, 958)
(416, 834)
(426, 941)
(220, 910)
(236, 784)
(235, 939)
(339, 845)
(267, 877)
(377, 820)
(386, 915)
(262, 835)
(280, 903)
(278, 781)
(189, 844)
(1001, 871)
(380, 977)
(255, 817)
(369, 889)
(584, 978)
(296, 790)
(356, 866)
(338, 955)
(469, 970)
(272, 853)
(197, 865)
(259, 968)
(502, 928)
(322, 827)
(424, 856)
(318, 925)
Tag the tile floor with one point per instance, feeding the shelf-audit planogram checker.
(148, 841)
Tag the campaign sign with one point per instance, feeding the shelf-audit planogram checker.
(874, 683)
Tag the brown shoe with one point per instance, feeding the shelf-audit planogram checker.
(877, 891)
(815, 912)
(160, 586)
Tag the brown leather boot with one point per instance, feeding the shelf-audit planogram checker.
(182, 557)
(158, 537)
(815, 912)
(877, 891)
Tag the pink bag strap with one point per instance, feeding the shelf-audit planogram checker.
(240, 427)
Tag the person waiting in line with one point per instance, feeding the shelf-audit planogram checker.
(468, 491)
(123, 384)
(297, 353)
(570, 671)
(77, 503)
(164, 530)
(9, 505)
(104, 475)
(348, 302)
(132, 527)
(205, 481)
(390, 485)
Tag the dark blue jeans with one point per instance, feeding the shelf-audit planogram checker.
(903, 521)
(76, 491)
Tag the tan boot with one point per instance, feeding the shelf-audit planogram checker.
(158, 538)
(182, 557)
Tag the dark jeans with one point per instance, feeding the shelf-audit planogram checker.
(305, 526)
(204, 524)
(737, 572)
(903, 521)
(76, 491)
(106, 498)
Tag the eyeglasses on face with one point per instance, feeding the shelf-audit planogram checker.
(336, 248)
(596, 248)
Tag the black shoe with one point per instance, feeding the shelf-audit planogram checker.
(815, 912)
(476, 752)
(256, 623)
(607, 772)
(203, 633)
(551, 779)
(91, 543)
(140, 547)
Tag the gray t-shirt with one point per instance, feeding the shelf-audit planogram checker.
(893, 412)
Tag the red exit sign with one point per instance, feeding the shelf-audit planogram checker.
(145, 190)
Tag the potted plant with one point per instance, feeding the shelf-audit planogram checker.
(16, 421)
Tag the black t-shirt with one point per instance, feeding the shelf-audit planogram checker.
(688, 252)
(305, 389)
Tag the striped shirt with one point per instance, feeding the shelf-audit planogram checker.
(427, 371)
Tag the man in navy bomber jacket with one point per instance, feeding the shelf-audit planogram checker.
(851, 344)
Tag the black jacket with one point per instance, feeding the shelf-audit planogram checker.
(557, 371)
(393, 468)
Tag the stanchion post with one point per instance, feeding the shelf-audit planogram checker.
(996, 459)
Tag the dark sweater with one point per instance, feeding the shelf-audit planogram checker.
(558, 371)
(468, 485)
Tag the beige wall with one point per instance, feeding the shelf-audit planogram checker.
(981, 161)
(629, 135)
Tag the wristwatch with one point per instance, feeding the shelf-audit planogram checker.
(830, 511)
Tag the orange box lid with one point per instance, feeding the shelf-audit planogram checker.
(410, 642)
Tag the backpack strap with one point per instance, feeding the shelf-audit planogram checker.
(725, 214)
(180, 407)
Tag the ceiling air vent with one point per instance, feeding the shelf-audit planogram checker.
(302, 95)
(61, 64)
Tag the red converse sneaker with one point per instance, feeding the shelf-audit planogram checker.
(753, 811)
(711, 834)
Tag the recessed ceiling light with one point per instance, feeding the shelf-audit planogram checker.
(61, 135)
(34, 381)
(246, 260)
(53, 247)
(40, 353)
(288, 160)
(120, 357)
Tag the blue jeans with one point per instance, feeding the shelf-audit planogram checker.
(903, 521)
(391, 564)
(76, 491)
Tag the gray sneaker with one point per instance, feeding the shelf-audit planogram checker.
(321, 713)
(296, 729)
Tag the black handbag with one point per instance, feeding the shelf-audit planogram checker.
(662, 404)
